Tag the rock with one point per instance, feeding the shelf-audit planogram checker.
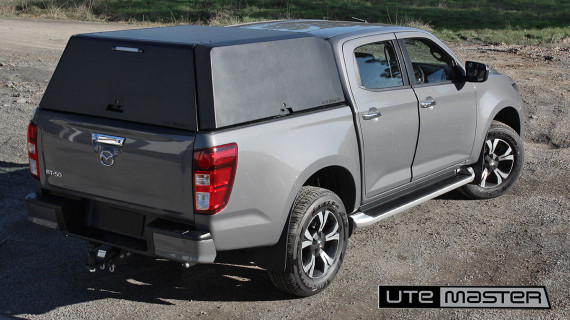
(10, 84)
(532, 116)
(22, 100)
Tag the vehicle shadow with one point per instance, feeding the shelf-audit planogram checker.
(41, 270)
(453, 195)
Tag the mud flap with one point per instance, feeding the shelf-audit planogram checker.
(478, 166)
(274, 257)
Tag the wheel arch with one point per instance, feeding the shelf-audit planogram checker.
(509, 116)
(335, 177)
(508, 111)
(338, 180)
(506, 114)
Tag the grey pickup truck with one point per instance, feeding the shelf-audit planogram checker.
(280, 137)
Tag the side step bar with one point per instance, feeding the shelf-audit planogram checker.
(364, 219)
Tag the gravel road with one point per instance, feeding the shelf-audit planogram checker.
(519, 239)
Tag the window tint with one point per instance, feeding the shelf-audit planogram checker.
(378, 65)
(431, 64)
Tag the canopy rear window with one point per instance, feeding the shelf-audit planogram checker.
(144, 82)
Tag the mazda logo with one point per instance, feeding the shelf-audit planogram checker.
(107, 158)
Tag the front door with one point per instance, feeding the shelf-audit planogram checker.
(387, 111)
(447, 105)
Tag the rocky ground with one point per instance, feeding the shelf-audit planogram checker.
(518, 239)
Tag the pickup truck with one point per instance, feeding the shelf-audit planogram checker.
(278, 137)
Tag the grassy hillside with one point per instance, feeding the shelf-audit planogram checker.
(513, 21)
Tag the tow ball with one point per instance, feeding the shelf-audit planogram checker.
(105, 257)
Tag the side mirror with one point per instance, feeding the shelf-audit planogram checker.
(476, 72)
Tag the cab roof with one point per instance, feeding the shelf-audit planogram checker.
(324, 28)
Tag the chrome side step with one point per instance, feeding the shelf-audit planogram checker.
(364, 219)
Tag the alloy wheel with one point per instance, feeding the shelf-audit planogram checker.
(319, 247)
(498, 163)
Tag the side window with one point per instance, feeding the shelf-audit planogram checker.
(431, 64)
(378, 65)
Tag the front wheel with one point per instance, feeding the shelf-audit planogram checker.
(503, 156)
(316, 243)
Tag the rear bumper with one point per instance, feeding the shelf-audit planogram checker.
(133, 231)
(43, 212)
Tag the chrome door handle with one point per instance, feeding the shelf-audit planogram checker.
(372, 114)
(428, 103)
(106, 139)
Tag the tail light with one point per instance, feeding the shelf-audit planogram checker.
(214, 172)
(33, 149)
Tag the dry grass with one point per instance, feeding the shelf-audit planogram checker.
(50, 9)
(223, 12)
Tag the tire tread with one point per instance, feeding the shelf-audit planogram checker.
(286, 281)
(473, 191)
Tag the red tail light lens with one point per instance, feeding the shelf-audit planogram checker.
(214, 172)
(33, 149)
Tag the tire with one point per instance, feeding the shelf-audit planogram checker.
(503, 157)
(316, 243)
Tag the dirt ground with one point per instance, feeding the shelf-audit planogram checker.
(519, 239)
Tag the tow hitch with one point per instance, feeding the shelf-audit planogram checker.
(105, 257)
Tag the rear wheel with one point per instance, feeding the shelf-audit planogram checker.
(316, 243)
(503, 157)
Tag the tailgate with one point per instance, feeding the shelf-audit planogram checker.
(128, 162)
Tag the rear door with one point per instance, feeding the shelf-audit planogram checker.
(447, 105)
(387, 111)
